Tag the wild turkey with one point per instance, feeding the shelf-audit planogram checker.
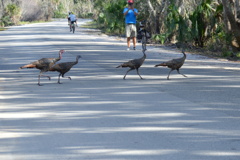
(133, 64)
(174, 64)
(43, 65)
(63, 68)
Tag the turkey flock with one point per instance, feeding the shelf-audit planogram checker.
(49, 64)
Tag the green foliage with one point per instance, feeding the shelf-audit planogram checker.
(12, 10)
(172, 18)
(60, 12)
(161, 38)
(11, 15)
(238, 55)
(183, 30)
(199, 27)
(111, 18)
(5, 21)
(203, 22)
(227, 53)
(177, 24)
(219, 39)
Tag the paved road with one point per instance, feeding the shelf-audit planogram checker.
(99, 116)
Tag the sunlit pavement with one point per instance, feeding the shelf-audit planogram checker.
(99, 116)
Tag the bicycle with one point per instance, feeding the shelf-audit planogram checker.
(143, 35)
(72, 27)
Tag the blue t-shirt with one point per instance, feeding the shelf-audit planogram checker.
(72, 17)
(130, 16)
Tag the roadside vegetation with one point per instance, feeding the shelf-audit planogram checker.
(209, 26)
(2, 29)
(30, 22)
(11, 15)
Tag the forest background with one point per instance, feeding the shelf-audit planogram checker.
(212, 25)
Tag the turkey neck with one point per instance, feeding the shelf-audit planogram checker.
(184, 54)
(144, 56)
(60, 55)
(76, 60)
(59, 58)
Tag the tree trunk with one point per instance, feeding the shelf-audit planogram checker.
(154, 14)
(237, 7)
(233, 22)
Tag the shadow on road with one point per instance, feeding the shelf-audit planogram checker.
(97, 115)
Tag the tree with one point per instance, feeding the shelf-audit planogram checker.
(11, 16)
(232, 20)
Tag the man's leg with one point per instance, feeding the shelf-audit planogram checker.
(134, 33)
(69, 23)
(128, 41)
(134, 41)
(71, 26)
(128, 35)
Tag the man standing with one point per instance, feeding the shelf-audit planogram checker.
(130, 14)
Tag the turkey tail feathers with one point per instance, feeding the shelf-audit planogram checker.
(119, 66)
(123, 65)
(28, 66)
(161, 64)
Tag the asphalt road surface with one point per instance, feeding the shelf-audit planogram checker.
(99, 116)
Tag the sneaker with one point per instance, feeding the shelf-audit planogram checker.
(128, 49)
(134, 48)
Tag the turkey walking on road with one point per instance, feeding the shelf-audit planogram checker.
(133, 64)
(174, 64)
(43, 65)
(63, 68)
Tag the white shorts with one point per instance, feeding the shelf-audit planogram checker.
(131, 30)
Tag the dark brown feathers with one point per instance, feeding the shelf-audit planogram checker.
(133, 64)
(174, 64)
(63, 68)
(43, 65)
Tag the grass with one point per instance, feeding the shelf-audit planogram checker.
(30, 22)
(23, 23)
(3, 28)
(91, 25)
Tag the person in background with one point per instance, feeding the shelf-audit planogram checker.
(69, 21)
(130, 14)
(73, 19)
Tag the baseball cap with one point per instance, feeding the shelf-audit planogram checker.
(130, 1)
